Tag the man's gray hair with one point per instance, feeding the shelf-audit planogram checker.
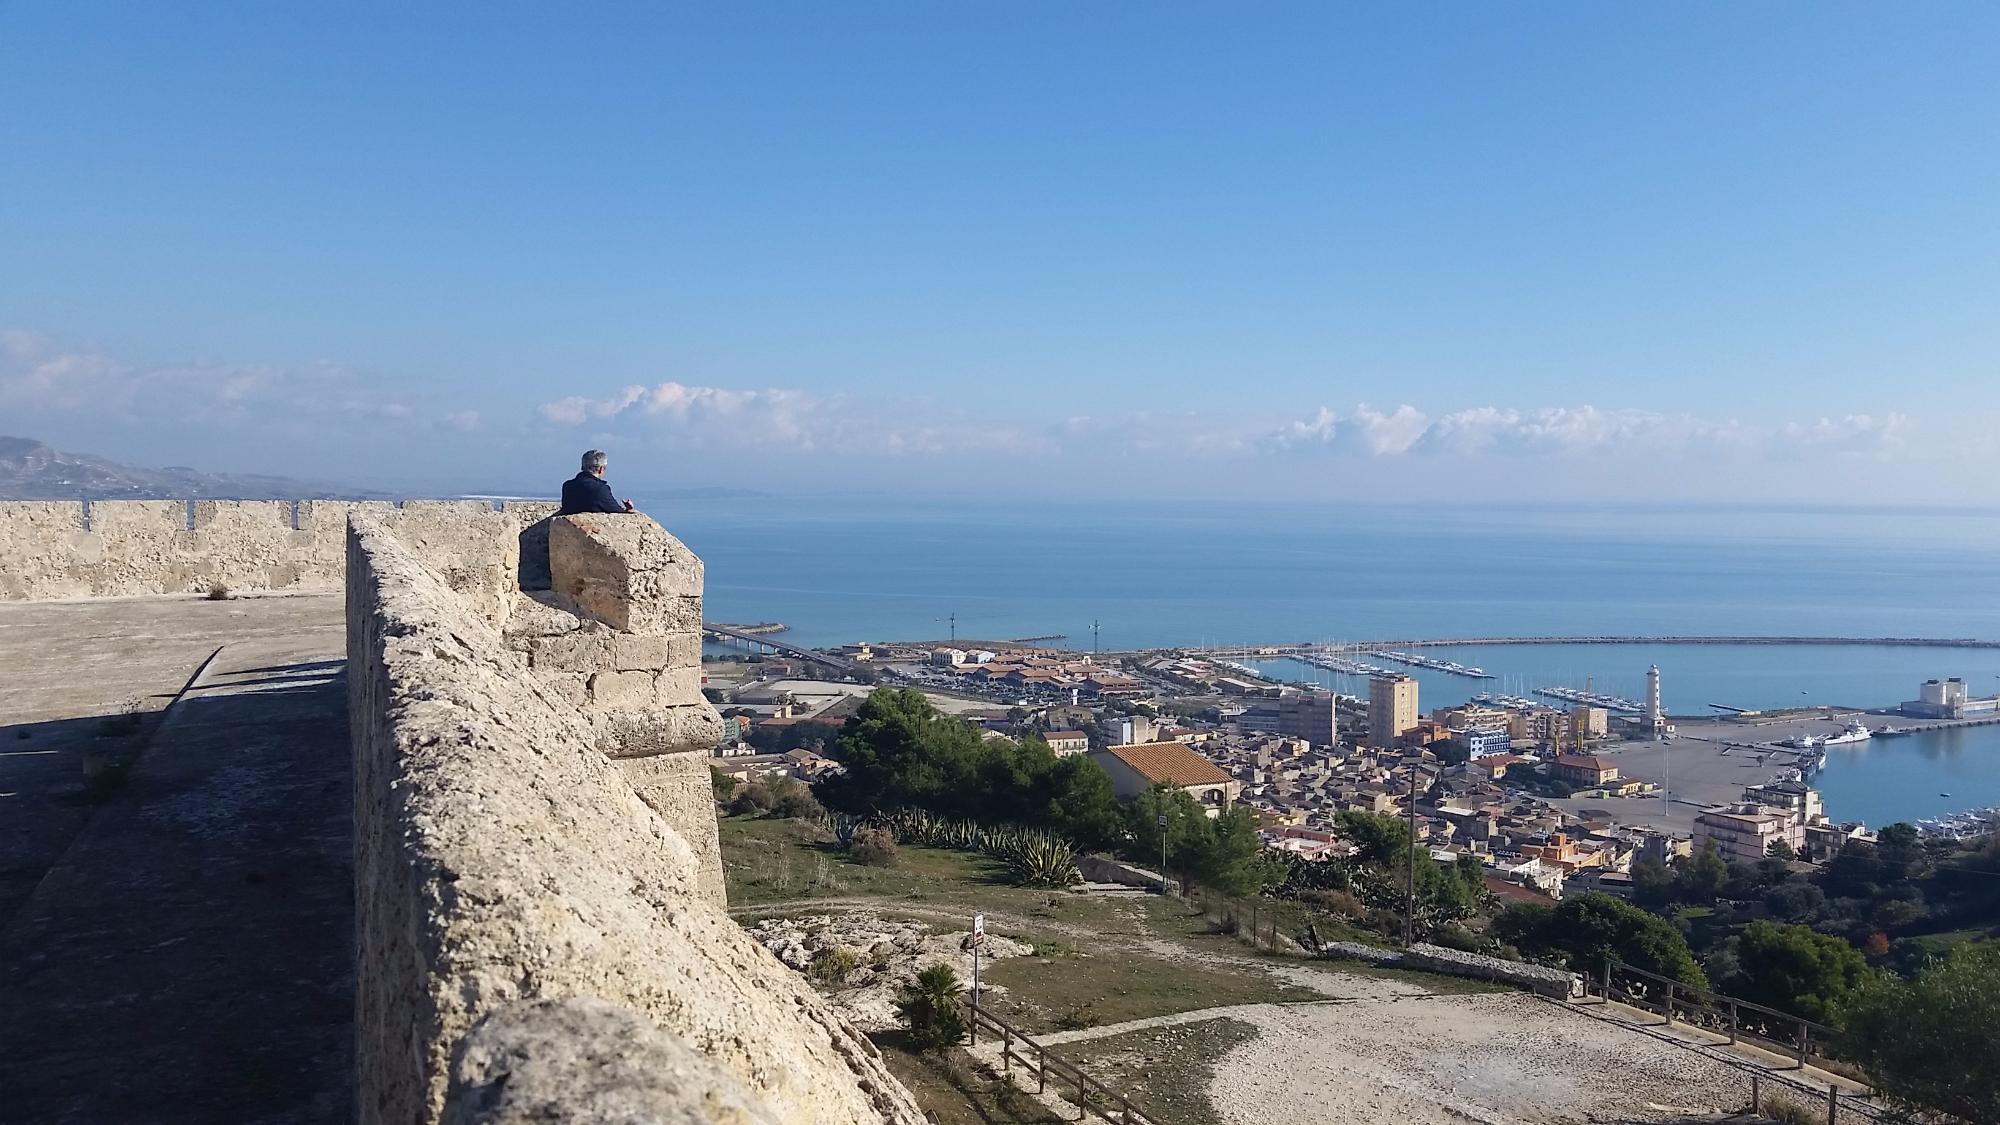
(594, 459)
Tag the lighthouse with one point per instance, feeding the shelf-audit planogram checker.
(1656, 715)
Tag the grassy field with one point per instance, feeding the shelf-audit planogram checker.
(1164, 1070)
(1098, 960)
(1071, 989)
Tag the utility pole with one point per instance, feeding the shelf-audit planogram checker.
(1410, 884)
(1093, 637)
(954, 626)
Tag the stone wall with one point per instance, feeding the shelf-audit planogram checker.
(619, 636)
(527, 925)
(63, 549)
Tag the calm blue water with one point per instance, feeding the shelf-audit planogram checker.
(838, 572)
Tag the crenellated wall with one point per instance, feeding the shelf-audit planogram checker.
(536, 941)
(113, 548)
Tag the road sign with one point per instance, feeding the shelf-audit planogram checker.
(978, 929)
(1163, 820)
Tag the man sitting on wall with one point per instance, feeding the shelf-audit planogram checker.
(587, 490)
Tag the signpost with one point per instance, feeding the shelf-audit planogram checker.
(977, 939)
(1163, 854)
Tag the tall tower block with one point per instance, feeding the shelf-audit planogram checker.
(1656, 715)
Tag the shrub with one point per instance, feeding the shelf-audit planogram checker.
(721, 784)
(218, 593)
(1340, 904)
(794, 800)
(931, 1011)
(873, 847)
(834, 965)
(1455, 936)
(753, 799)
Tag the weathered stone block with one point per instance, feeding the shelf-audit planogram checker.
(632, 652)
(677, 786)
(678, 685)
(581, 651)
(660, 730)
(626, 571)
(582, 1059)
(622, 689)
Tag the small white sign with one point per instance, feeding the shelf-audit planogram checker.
(978, 929)
(1163, 820)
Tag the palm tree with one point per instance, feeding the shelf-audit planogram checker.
(930, 1009)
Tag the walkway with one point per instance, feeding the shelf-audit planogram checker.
(178, 944)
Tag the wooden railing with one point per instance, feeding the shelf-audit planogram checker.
(1741, 1020)
(1092, 1096)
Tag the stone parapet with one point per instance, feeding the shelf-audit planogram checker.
(507, 872)
(618, 634)
(117, 548)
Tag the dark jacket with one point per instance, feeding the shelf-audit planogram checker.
(586, 493)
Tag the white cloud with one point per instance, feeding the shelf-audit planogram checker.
(1580, 431)
(1366, 430)
(1852, 433)
(793, 421)
(40, 378)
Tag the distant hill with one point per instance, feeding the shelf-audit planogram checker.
(33, 470)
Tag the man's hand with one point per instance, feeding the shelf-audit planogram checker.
(628, 505)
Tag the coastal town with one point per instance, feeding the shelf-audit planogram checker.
(1551, 800)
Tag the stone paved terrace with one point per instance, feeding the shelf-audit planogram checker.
(175, 944)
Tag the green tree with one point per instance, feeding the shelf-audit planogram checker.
(930, 1009)
(1780, 849)
(1187, 835)
(1701, 878)
(1652, 884)
(1900, 852)
(1932, 1044)
(1449, 892)
(1793, 969)
(721, 783)
(1380, 837)
(1230, 857)
(1589, 928)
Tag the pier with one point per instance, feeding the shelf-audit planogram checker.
(1300, 649)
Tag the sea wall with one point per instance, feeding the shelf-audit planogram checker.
(113, 548)
(534, 939)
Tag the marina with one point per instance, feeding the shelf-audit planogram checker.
(1593, 699)
(1434, 664)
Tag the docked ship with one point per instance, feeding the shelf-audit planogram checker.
(1855, 731)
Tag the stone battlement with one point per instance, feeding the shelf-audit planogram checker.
(116, 548)
(536, 876)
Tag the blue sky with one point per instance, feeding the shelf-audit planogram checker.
(1580, 251)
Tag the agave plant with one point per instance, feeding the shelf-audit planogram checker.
(1045, 861)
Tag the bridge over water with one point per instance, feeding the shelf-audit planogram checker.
(759, 643)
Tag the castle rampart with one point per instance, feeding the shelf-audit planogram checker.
(116, 548)
(520, 908)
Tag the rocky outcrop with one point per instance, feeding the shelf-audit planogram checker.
(883, 956)
(503, 862)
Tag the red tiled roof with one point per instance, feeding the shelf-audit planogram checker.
(1583, 762)
(1169, 762)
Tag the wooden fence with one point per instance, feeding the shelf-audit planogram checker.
(1745, 1022)
(1092, 1097)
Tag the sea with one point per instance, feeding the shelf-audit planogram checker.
(995, 567)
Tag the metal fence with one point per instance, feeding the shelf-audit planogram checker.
(1092, 1097)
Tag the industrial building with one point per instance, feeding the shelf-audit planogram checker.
(1948, 699)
